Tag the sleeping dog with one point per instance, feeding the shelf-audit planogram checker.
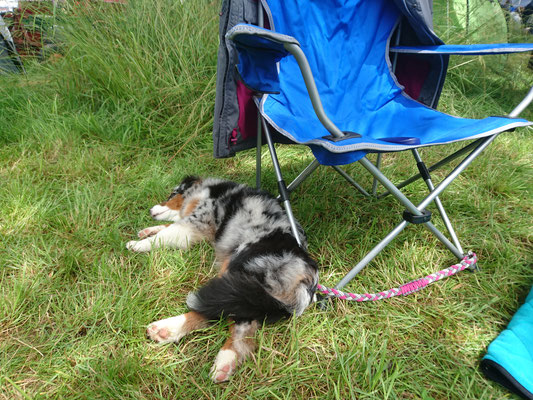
(264, 274)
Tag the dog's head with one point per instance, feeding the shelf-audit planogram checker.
(170, 209)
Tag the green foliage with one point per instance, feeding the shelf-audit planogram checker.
(89, 141)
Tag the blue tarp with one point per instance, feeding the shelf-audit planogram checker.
(509, 359)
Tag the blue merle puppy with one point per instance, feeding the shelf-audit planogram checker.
(264, 274)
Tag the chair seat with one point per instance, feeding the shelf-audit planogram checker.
(402, 117)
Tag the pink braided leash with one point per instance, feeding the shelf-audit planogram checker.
(469, 261)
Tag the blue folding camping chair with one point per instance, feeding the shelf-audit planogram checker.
(348, 78)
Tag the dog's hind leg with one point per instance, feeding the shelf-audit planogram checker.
(239, 345)
(174, 328)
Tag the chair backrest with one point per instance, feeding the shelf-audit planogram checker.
(369, 21)
(346, 43)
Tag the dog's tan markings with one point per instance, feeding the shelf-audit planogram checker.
(174, 203)
(239, 345)
(287, 295)
(224, 267)
(190, 207)
(173, 329)
(194, 321)
(210, 232)
(229, 342)
(297, 295)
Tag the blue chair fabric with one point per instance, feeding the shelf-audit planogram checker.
(352, 70)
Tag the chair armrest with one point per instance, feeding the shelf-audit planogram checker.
(259, 52)
(254, 36)
(466, 49)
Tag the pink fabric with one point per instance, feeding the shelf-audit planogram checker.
(247, 124)
(411, 72)
(413, 286)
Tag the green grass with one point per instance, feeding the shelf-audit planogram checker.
(91, 140)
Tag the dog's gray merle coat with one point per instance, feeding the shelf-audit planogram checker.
(264, 275)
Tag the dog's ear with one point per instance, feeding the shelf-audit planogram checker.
(185, 184)
(188, 181)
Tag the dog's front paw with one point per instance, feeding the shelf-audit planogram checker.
(167, 330)
(145, 233)
(151, 231)
(140, 246)
(224, 366)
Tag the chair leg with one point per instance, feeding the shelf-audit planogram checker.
(381, 245)
(303, 175)
(351, 181)
(378, 166)
(444, 240)
(417, 210)
(390, 186)
(371, 255)
(432, 168)
(284, 193)
(457, 170)
(258, 153)
(427, 178)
